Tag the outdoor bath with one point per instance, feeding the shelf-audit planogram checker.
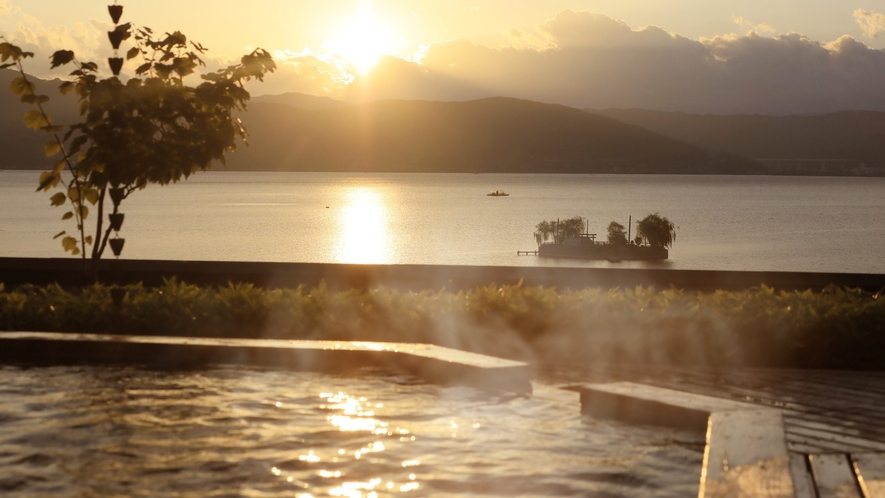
(246, 431)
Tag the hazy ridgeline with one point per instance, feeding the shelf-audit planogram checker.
(757, 327)
(295, 132)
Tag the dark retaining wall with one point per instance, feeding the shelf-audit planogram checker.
(73, 272)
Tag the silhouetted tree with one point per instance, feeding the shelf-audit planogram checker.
(560, 230)
(152, 128)
(616, 233)
(656, 230)
(543, 232)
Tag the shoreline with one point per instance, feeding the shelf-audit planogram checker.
(75, 272)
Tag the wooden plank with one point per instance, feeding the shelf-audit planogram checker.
(838, 439)
(773, 385)
(870, 470)
(746, 456)
(834, 476)
(642, 404)
(806, 397)
(809, 445)
(429, 362)
(803, 482)
(849, 417)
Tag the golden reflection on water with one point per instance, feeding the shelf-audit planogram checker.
(358, 414)
(363, 230)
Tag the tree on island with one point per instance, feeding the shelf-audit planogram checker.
(559, 230)
(616, 234)
(656, 230)
(152, 128)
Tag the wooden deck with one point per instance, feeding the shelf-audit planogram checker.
(834, 421)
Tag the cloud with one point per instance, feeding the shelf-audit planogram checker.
(5, 8)
(32, 36)
(305, 72)
(750, 27)
(872, 23)
(594, 61)
(583, 60)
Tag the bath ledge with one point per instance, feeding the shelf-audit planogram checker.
(429, 362)
(746, 451)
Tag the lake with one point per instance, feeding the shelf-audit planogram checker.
(815, 224)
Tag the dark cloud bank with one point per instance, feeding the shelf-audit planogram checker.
(589, 60)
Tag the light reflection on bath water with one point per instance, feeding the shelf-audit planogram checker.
(75, 431)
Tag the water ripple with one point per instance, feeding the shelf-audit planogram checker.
(75, 431)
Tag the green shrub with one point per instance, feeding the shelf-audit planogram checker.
(835, 328)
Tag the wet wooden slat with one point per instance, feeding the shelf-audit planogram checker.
(870, 468)
(836, 439)
(746, 456)
(824, 411)
(803, 482)
(834, 476)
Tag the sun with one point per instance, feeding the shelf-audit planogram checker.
(363, 40)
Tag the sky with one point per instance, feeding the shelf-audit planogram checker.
(719, 56)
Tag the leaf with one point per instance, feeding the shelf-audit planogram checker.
(59, 234)
(36, 120)
(58, 199)
(48, 179)
(59, 166)
(70, 244)
(132, 53)
(66, 87)
(61, 57)
(143, 68)
(8, 64)
(91, 196)
(8, 50)
(52, 148)
(84, 212)
(76, 144)
(21, 87)
(66, 216)
(89, 240)
(89, 66)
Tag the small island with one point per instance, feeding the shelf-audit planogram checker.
(571, 239)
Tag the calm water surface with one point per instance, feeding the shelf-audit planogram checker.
(101, 431)
(725, 222)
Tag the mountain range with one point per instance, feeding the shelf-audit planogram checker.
(296, 132)
(846, 135)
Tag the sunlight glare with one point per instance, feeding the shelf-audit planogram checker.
(363, 40)
(363, 228)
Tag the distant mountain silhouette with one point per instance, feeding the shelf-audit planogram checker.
(858, 135)
(294, 132)
(300, 101)
(488, 135)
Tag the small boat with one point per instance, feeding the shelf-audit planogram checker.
(497, 193)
